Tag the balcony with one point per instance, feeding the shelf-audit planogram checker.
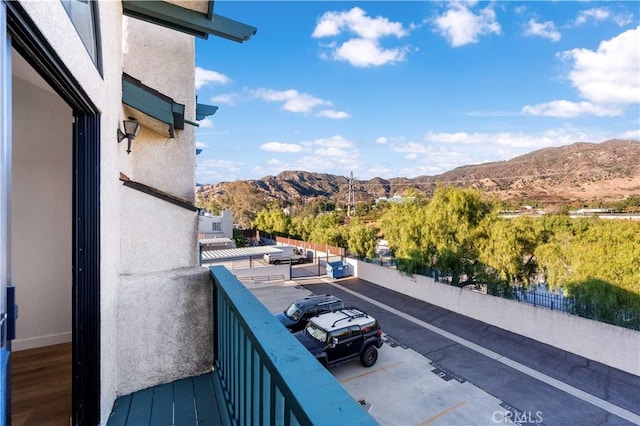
(261, 375)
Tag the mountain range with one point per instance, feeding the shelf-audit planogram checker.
(580, 172)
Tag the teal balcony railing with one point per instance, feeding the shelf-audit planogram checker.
(263, 374)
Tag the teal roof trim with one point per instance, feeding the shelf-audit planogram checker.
(187, 20)
(153, 103)
(204, 110)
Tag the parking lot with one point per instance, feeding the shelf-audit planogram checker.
(402, 388)
(438, 367)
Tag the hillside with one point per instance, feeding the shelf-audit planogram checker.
(582, 171)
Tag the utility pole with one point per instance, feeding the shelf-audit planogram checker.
(351, 199)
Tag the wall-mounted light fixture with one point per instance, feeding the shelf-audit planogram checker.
(131, 130)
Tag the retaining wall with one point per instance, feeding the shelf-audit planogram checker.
(605, 343)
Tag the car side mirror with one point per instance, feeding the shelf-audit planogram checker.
(333, 342)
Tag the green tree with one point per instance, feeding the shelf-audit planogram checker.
(595, 260)
(328, 229)
(506, 247)
(363, 240)
(273, 220)
(402, 225)
(452, 216)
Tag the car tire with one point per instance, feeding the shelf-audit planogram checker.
(369, 356)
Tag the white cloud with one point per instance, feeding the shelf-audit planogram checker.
(201, 145)
(329, 113)
(336, 141)
(280, 147)
(520, 9)
(215, 170)
(602, 14)
(382, 140)
(293, 100)
(520, 140)
(542, 29)
(357, 22)
(361, 52)
(608, 75)
(630, 134)
(365, 49)
(226, 98)
(596, 14)
(413, 148)
(206, 123)
(568, 109)
(461, 26)
(340, 165)
(204, 77)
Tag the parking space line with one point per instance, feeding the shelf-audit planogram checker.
(372, 371)
(565, 387)
(442, 413)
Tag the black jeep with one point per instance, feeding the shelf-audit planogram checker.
(341, 336)
(296, 315)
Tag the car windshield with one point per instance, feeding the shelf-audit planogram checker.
(317, 333)
(293, 312)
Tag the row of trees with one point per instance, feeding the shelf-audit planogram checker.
(461, 234)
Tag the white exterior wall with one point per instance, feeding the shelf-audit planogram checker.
(157, 235)
(41, 215)
(163, 59)
(610, 345)
(165, 320)
(164, 306)
(227, 223)
(205, 224)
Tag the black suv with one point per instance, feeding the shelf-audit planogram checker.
(296, 315)
(342, 335)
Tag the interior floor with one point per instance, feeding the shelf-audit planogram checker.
(41, 386)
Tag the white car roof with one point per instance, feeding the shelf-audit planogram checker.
(342, 318)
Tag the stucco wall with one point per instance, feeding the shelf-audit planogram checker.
(164, 60)
(610, 345)
(156, 235)
(41, 215)
(165, 327)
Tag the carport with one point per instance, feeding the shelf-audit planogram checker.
(243, 254)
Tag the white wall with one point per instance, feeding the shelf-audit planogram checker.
(156, 235)
(205, 224)
(610, 345)
(227, 223)
(164, 60)
(41, 215)
(165, 327)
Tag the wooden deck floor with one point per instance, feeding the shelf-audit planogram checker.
(189, 401)
(41, 386)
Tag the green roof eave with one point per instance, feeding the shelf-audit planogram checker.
(187, 21)
(204, 110)
(152, 103)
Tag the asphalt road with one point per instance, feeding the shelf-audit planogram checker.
(541, 384)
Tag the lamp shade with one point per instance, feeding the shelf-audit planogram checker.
(131, 127)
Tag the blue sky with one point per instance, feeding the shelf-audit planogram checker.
(404, 89)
